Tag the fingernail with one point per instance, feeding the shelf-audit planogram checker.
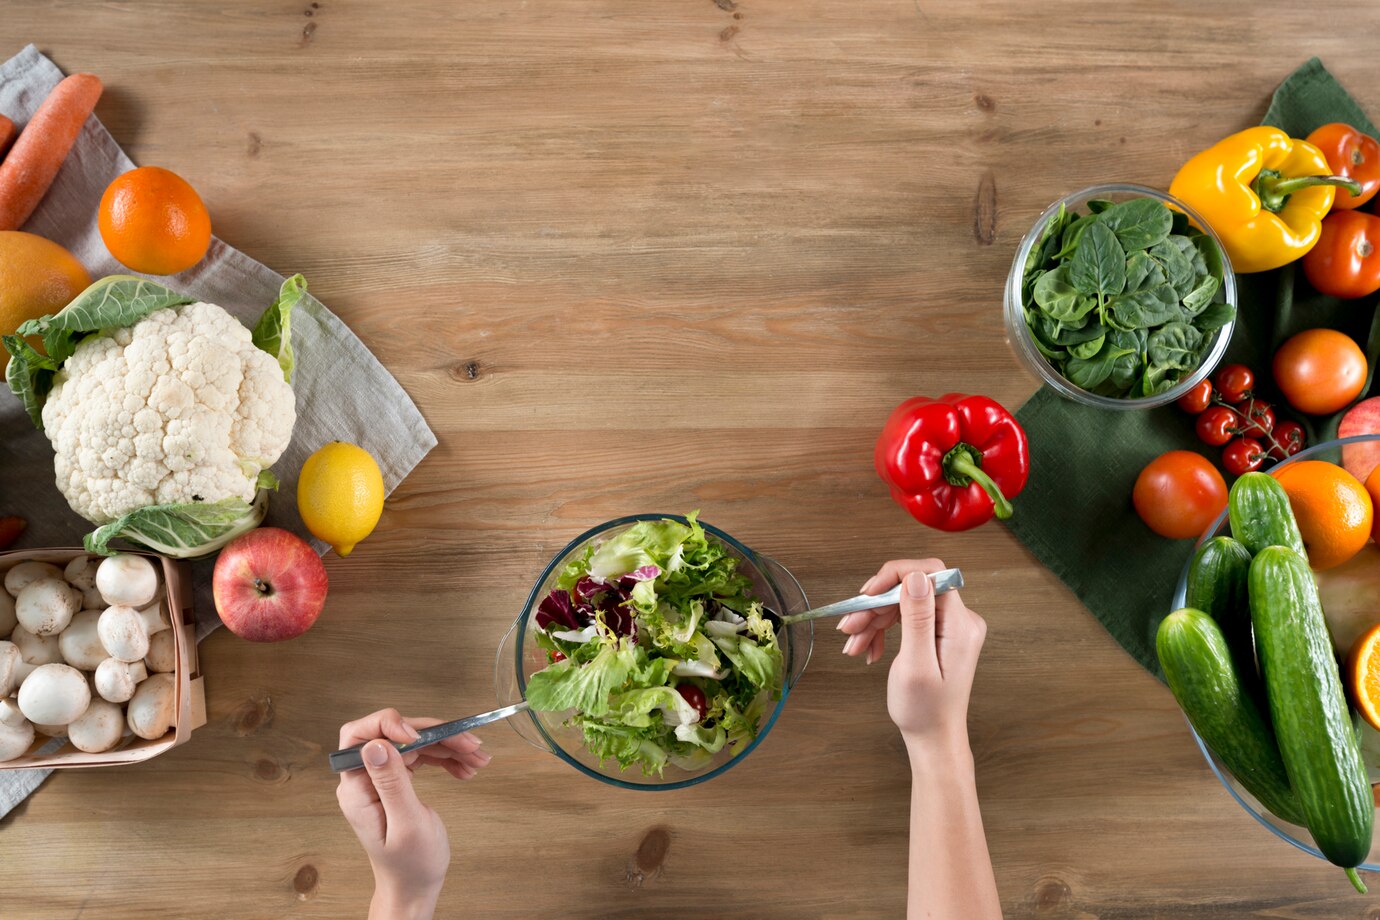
(486, 757)
(411, 732)
(376, 753)
(848, 646)
(917, 584)
(863, 589)
(475, 738)
(871, 656)
(842, 620)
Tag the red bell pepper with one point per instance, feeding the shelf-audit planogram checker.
(1346, 260)
(953, 462)
(1351, 154)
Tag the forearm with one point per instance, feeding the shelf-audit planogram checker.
(950, 869)
(389, 904)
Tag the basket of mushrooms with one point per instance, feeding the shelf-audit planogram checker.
(98, 659)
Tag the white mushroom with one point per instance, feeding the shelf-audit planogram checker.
(125, 632)
(18, 578)
(52, 731)
(116, 680)
(161, 657)
(16, 733)
(80, 642)
(151, 712)
(36, 650)
(98, 729)
(8, 620)
(81, 573)
(127, 581)
(45, 606)
(10, 660)
(54, 695)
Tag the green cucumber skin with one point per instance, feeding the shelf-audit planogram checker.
(1308, 708)
(1260, 515)
(1201, 673)
(1217, 585)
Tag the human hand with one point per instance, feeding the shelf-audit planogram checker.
(930, 680)
(405, 840)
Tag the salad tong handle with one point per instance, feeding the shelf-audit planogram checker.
(941, 582)
(351, 758)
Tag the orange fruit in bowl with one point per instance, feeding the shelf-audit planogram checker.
(1334, 511)
(37, 277)
(1362, 675)
(153, 222)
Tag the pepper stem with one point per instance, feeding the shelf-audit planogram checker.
(963, 465)
(1274, 190)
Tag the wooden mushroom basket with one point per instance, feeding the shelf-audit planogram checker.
(189, 696)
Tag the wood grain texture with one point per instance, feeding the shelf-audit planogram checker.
(660, 256)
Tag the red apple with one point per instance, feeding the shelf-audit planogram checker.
(1362, 418)
(269, 585)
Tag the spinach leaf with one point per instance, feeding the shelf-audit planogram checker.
(1058, 298)
(1174, 346)
(1073, 233)
(1178, 271)
(1098, 205)
(1144, 308)
(1099, 265)
(1180, 222)
(1089, 373)
(1139, 223)
(1077, 335)
(1215, 316)
(1211, 254)
(1049, 235)
(1197, 299)
(1127, 368)
(1087, 349)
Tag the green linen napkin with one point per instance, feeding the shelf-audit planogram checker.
(1076, 514)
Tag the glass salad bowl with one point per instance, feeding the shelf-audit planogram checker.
(1333, 583)
(519, 657)
(1021, 339)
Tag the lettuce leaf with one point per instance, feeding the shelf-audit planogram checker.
(185, 531)
(760, 665)
(273, 331)
(583, 687)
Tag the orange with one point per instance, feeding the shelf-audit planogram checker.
(37, 277)
(154, 222)
(1373, 490)
(1333, 509)
(1362, 675)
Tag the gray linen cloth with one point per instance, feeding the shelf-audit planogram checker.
(343, 392)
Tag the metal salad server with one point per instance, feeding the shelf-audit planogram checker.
(351, 759)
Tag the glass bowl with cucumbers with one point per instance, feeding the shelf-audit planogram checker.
(1120, 297)
(1257, 762)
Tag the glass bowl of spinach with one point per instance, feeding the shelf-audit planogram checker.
(1120, 297)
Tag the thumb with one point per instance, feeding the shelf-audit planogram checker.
(391, 778)
(917, 619)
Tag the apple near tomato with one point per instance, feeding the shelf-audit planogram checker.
(269, 585)
(1363, 418)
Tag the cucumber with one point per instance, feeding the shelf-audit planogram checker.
(1260, 516)
(1308, 707)
(1201, 672)
(1217, 586)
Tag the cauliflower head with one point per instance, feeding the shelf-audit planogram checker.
(180, 407)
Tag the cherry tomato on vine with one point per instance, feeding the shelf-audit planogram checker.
(1243, 455)
(1197, 399)
(1217, 425)
(695, 697)
(1179, 494)
(1234, 382)
(1260, 419)
(1289, 440)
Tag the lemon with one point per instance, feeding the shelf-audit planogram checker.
(340, 495)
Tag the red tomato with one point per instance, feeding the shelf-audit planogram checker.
(1179, 494)
(1260, 419)
(1352, 155)
(556, 656)
(1218, 425)
(1344, 262)
(1320, 371)
(1234, 382)
(1243, 455)
(1289, 440)
(695, 697)
(1197, 399)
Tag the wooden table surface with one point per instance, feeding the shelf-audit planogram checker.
(664, 256)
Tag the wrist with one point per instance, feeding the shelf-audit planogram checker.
(391, 903)
(939, 750)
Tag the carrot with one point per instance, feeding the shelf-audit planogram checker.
(6, 134)
(37, 155)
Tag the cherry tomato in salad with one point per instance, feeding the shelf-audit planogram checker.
(1179, 494)
(1345, 262)
(1197, 399)
(1289, 440)
(1352, 154)
(1243, 455)
(1260, 419)
(556, 656)
(1234, 382)
(695, 697)
(1217, 425)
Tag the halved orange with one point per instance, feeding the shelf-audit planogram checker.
(1334, 511)
(1363, 675)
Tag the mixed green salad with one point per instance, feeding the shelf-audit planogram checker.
(658, 646)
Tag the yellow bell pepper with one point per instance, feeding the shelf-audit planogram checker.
(1264, 194)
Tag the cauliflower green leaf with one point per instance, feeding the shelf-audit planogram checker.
(185, 531)
(273, 331)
